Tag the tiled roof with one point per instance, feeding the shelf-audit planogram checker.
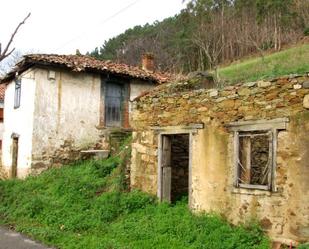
(82, 63)
(2, 92)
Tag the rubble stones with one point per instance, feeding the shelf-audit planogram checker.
(263, 84)
(306, 84)
(213, 93)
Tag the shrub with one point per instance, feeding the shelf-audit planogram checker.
(104, 168)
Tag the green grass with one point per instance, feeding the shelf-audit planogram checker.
(290, 61)
(87, 205)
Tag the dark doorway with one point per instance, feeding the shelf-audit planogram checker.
(175, 167)
(14, 157)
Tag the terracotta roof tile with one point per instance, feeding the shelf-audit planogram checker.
(2, 92)
(81, 63)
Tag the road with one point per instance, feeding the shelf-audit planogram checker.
(13, 240)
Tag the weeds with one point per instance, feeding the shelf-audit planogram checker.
(85, 206)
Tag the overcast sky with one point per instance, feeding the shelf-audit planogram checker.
(62, 26)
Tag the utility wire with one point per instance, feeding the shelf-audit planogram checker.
(100, 23)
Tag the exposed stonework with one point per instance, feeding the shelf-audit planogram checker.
(284, 213)
(306, 101)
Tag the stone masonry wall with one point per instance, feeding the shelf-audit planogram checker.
(284, 213)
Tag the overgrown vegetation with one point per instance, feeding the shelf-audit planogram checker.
(88, 205)
(289, 61)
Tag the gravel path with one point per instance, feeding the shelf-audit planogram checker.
(13, 240)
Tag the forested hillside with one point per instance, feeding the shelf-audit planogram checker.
(211, 32)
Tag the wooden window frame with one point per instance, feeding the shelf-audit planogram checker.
(17, 93)
(238, 183)
(268, 126)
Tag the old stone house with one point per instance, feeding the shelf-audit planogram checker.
(58, 105)
(241, 151)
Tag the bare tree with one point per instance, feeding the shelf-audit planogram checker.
(7, 51)
(10, 61)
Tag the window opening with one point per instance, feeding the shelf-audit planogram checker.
(17, 93)
(255, 158)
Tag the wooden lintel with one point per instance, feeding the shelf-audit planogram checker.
(178, 127)
(278, 123)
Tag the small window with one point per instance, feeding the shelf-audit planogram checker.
(255, 144)
(255, 159)
(17, 93)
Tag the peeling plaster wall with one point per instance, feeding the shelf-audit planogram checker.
(284, 214)
(61, 113)
(67, 111)
(20, 122)
(138, 87)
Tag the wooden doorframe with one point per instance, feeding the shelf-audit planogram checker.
(15, 140)
(175, 130)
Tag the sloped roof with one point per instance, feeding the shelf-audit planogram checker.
(82, 63)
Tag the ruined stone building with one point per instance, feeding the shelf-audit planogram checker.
(241, 151)
(58, 105)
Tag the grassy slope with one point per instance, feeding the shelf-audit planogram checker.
(289, 61)
(87, 206)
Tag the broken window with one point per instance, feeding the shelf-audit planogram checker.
(255, 144)
(255, 159)
(17, 93)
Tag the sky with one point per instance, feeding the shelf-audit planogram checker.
(62, 26)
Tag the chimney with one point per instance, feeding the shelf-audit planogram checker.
(148, 62)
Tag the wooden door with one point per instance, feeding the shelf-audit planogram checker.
(14, 158)
(166, 168)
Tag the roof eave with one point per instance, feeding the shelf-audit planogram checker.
(27, 63)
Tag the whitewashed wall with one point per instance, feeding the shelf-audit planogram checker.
(59, 115)
(19, 121)
(137, 87)
(67, 111)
